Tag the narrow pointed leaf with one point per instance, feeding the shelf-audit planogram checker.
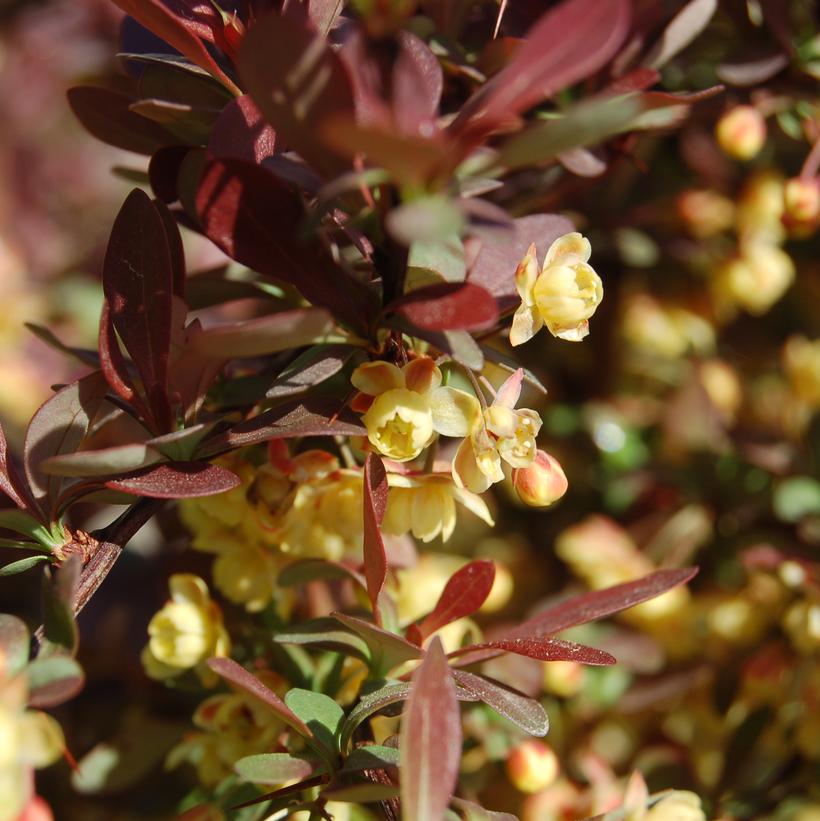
(274, 768)
(375, 504)
(177, 480)
(464, 593)
(59, 594)
(543, 649)
(305, 571)
(684, 27)
(325, 634)
(448, 306)
(387, 650)
(313, 367)
(22, 565)
(103, 462)
(430, 740)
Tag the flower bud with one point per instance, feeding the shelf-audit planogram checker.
(801, 198)
(532, 766)
(542, 483)
(801, 361)
(741, 132)
(705, 213)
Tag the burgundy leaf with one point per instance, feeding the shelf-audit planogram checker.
(138, 284)
(12, 483)
(417, 86)
(430, 741)
(163, 171)
(324, 13)
(464, 593)
(239, 677)
(235, 202)
(681, 30)
(316, 416)
(242, 132)
(599, 604)
(542, 649)
(375, 503)
(569, 43)
(494, 266)
(175, 248)
(315, 366)
(106, 114)
(177, 480)
(183, 31)
(523, 711)
(448, 306)
(298, 83)
(59, 426)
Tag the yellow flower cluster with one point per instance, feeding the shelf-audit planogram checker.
(29, 739)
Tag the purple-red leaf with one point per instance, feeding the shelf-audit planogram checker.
(235, 202)
(448, 306)
(681, 30)
(238, 676)
(107, 115)
(464, 593)
(523, 711)
(569, 43)
(417, 86)
(601, 603)
(177, 480)
(542, 649)
(11, 483)
(59, 426)
(242, 132)
(182, 31)
(138, 281)
(375, 503)
(299, 83)
(430, 741)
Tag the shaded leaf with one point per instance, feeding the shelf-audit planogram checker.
(444, 257)
(458, 344)
(103, 462)
(84, 355)
(242, 132)
(53, 680)
(417, 85)
(298, 83)
(365, 792)
(113, 364)
(320, 713)
(425, 220)
(684, 27)
(248, 683)
(371, 757)
(430, 740)
(305, 571)
(473, 812)
(325, 634)
(448, 306)
(274, 768)
(523, 711)
(21, 565)
(753, 72)
(14, 644)
(177, 480)
(387, 650)
(375, 504)
(23, 523)
(311, 368)
(370, 704)
(464, 593)
(12, 483)
(59, 594)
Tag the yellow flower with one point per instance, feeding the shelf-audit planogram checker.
(801, 198)
(532, 766)
(426, 506)
(760, 207)
(563, 296)
(801, 360)
(186, 632)
(679, 805)
(542, 483)
(741, 132)
(499, 433)
(245, 574)
(755, 279)
(409, 406)
(802, 623)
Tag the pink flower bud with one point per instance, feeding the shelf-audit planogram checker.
(532, 766)
(802, 199)
(542, 483)
(741, 132)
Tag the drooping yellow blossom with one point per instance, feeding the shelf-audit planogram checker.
(760, 208)
(705, 212)
(668, 331)
(802, 623)
(501, 432)
(542, 483)
(186, 632)
(232, 725)
(754, 280)
(29, 739)
(563, 296)
(801, 360)
(425, 505)
(741, 132)
(409, 406)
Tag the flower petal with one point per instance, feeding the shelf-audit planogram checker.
(510, 391)
(375, 378)
(474, 503)
(526, 323)
(466, 471)
(576, 334)
(525, 275)
(422, 374)
(570, 245)
(455, 412)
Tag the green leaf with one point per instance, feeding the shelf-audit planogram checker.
(275, 768)
(387, 650)
(364, 793)
(442, 257)
(21, 565)
(796, 497)
(103, 462)
(371, 704)
(429, 219)
(325, 634)
(14, 644)
(320, 712)
(53, 680)
(59, 626)
(371, 757)
(27, 525)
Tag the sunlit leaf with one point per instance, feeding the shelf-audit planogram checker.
(177, 480)
(274, 768)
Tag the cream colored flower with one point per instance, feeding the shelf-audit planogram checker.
(679, 805)
(755, 279)
(186, 632)
(801, 360)
(409, 407)
(500, 433)
(426, 506)
(563, 296)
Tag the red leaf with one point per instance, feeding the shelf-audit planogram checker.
(175, 248)
(464, 593)
(235, 201)
(494, 266)
(59, 426)
(417, 86)
(177, 480)
(163, 171)
(138, 283)
(248, 683)
(181, 30)
(569, 43)
(430, 740)
(12, 484)
(298, 83)
(448, 306)
(542, 649)
(375, 503)
(106, 114)
(242, 132)
(601, 603)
